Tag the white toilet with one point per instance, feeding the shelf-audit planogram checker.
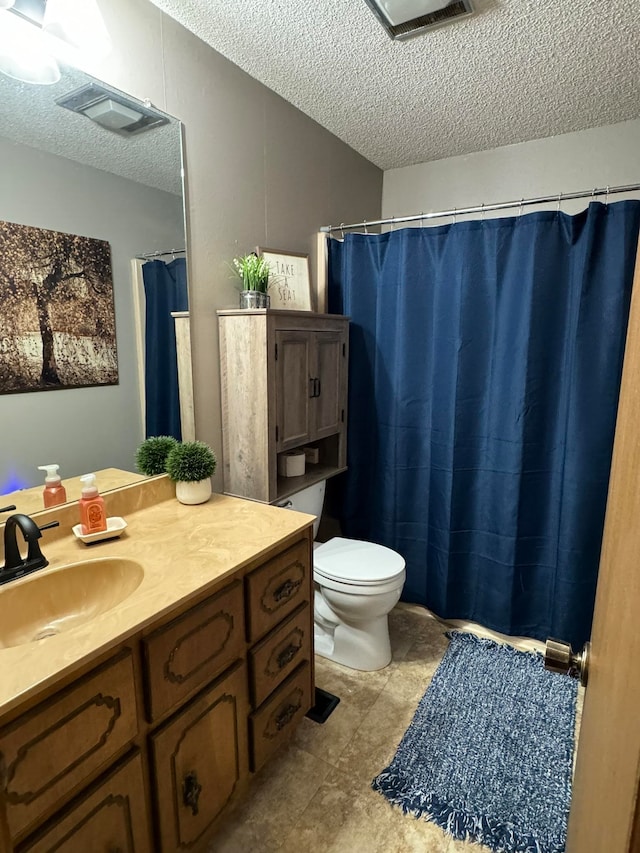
(356, 585)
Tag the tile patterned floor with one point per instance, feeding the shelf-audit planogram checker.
(315, 794)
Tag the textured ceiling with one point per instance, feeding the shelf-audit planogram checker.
(30, 116)
(516, 70)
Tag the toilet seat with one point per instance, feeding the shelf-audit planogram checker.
(356, 563)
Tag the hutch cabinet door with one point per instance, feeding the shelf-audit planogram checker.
(330, 371)
(294, 387)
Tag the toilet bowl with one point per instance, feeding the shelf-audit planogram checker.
(356, 584)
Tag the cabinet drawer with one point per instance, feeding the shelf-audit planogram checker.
(271, 660)
(277, 588)
(275, 721)
(199, 758)
(52, 749)
(190, 651)
(112, 817)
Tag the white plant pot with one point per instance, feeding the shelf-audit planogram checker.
(194, 493)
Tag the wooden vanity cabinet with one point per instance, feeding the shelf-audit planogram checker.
(145, 751)
(284, 386)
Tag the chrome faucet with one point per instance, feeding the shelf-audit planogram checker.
(14, 566)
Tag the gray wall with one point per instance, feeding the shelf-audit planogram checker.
(82, 429)
(259, 172)
(598, 157)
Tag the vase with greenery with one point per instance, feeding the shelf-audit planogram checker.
(151, 456)
(253, 272)
(190, 465)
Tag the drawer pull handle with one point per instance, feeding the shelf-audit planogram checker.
(286, 715)
(287, 655)
(284, 590)
(191, 791)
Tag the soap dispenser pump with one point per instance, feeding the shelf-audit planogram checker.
(54, 492)
(93, 516)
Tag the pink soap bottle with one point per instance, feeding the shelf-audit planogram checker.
(54, 492)
(93, 516)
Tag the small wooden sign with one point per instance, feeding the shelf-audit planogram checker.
(290, 279)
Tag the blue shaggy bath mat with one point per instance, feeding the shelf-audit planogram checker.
(488, 755)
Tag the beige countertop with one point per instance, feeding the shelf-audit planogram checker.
(184, 550)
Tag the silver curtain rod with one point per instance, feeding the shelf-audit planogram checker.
(484, 208)
(150, 255)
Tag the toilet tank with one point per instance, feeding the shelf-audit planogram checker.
(310, 500)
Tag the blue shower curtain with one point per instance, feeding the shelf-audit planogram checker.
(485, 363)
(165, 290)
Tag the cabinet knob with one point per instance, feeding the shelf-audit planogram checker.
(191, 791)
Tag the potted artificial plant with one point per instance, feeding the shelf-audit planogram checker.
(190, 465)
(151, 456)
(253, 272)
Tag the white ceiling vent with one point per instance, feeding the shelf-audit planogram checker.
(112, 110)
(403, 19)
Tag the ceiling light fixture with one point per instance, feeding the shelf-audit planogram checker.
(112, 110)
(23, 54)
(77, 31)
(35, 34)
(403, 19)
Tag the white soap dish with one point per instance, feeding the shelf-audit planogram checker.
(115, 526)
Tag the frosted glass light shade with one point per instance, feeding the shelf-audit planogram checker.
(77, 24)
(23, 54)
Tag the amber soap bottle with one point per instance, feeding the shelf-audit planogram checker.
(93, 516)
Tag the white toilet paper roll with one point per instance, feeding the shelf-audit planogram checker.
(291, 463)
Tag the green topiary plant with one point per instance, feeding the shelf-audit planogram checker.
(190, 462)
(152, 454)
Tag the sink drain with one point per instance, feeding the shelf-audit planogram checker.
(46, 632)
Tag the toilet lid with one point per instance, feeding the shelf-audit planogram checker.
(356, 562)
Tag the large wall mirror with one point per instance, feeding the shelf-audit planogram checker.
(65, 173)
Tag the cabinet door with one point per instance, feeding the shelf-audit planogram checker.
(110, 818)
(199, 759)
(293, 388)
(52, 750)
(330, 361)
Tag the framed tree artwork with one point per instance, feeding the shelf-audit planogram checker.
(57, 324)
(289, 279)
